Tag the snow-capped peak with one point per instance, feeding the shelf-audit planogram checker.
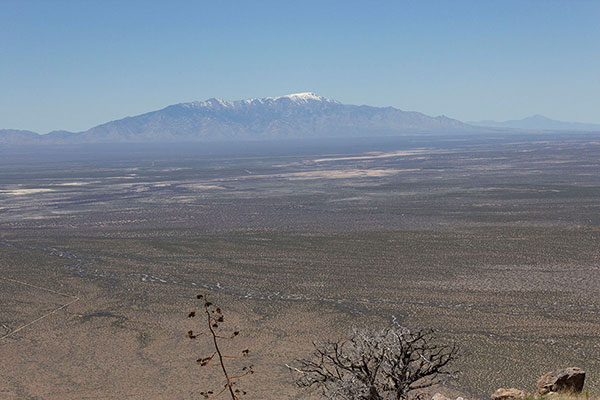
(208, 103)
(302, 97)
(298, 98)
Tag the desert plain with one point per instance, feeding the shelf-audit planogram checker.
(493, 242)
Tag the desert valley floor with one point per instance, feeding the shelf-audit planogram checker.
(494, 243)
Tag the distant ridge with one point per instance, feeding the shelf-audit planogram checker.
(539, 122)
(16, 136)
(298, 115)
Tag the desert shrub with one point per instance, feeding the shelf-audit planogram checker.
(375, 364)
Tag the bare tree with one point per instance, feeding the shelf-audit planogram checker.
(372, 364)
(213, 320)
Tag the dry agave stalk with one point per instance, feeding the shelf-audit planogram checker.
(214, 320)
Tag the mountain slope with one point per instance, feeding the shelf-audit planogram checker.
(15, 136)
(301, 115)
(539, 122)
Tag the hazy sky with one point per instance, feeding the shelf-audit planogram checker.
(74, 64)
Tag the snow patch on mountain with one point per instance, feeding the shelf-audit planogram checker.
(303, 97)
(297, 98)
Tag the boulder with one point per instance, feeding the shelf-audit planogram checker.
(509, 394)
(439, 396)
(569, 380)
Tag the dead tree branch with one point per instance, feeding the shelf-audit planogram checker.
(380, 364)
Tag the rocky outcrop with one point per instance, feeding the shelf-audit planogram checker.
(565, 381)
(509, 394)
(569, 380)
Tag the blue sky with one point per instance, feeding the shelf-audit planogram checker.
(74, 64)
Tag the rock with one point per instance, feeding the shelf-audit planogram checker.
(569, 380)
(439, 396)
(509, 394)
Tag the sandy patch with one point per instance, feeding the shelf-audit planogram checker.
(203, 187)
(23, 192)
(80, 183)
(347, 199)
(373, 155)
(343, 174)
(331, 174)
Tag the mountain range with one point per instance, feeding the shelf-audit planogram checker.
(539, 122)
(293, 116)
(300, 115)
